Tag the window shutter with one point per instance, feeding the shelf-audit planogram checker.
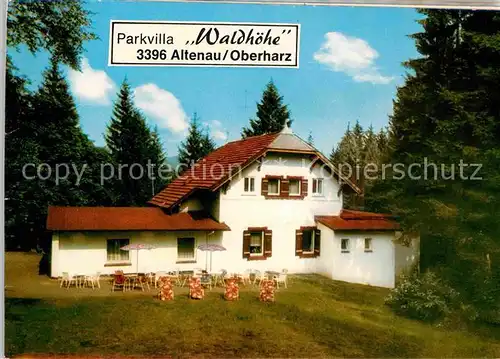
(246, 244)
(304, 187)
(298, 242)
(264, 186)
(268, 243)
(317, 242)
(284, 188)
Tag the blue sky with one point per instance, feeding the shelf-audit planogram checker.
(354, 78)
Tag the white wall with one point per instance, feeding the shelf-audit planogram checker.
(85, 252)
(324, 263)
(283, 216)
(374, 268)
(406, 255)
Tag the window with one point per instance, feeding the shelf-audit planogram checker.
(294, 187)
(114, 253)
(308, 241)
(249, 185)
(317, 186)
(256, 244)
(368, 245)
(344, 245)
(273, 186)
(185, 249)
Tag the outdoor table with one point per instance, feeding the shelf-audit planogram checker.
(271, 274)
(79, 280)
(131, 279)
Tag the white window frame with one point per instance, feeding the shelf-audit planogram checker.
(300, 187)
(313, 239)
(279, 187)
(250, 180)
(261, 244)
(185, 259)
(125, 260)
(370, 247)
(347, 249)
(318, 180)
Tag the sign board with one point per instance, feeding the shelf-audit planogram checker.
(165, 43)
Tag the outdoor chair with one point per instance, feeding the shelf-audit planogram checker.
(232, 290)
(206, 281)
(119, 281)
(67, 279)
(176, 276)
(245, 277)
(266, 291)
(166, 289)
(158, 275)
(281, 278)
(220, 278)
(260, 277)
(196, 291)
(92, 280)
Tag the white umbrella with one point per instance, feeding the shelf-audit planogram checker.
(137, 247)
(211, 248)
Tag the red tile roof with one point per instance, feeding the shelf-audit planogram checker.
(232, 156)
(357, 220)
(127, 219)
(215, 169)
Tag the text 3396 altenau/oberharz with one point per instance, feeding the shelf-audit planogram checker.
(136, 43)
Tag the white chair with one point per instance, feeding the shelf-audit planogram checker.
(158, 275)
(67, 279)
(281, 278)
(220, 278)
(259, 276)
(246, 276)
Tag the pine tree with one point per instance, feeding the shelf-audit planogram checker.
(45, 132)
(134, 149)
(447, 112)
(197, 144)
(272, 114)
(208, 144)
(158, 158)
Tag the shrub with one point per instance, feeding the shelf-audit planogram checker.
(423, 297)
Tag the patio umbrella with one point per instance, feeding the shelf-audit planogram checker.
(137, 247)
(211, 248)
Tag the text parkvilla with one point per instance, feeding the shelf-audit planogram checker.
(211, 36)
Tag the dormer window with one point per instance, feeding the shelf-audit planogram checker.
(249, 185)
(273, 187)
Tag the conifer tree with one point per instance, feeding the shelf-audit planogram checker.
(447, 112)
(197, 144)
(133, 147)
(272, 114)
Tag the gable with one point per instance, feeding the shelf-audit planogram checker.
(228, 161)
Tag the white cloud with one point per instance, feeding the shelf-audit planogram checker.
(351, 55)
(162, 105)
(216, 123)
(219, 135)
(217, 131)
(94, 86)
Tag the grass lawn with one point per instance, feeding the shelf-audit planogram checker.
(314, 317)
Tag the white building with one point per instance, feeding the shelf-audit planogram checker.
(272, 201)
